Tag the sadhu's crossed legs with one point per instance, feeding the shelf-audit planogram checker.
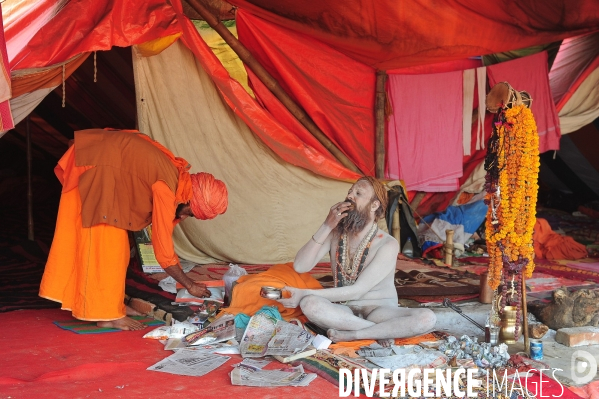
(381, 323)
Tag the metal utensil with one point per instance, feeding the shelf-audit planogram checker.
(447, 303)
(270, 293)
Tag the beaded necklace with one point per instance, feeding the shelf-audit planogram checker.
(347, 272)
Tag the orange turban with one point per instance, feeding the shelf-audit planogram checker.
(379, 191)
(210, 197)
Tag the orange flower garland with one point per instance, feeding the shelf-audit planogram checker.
(512, 212)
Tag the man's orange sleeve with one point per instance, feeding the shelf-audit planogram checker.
(163, 215)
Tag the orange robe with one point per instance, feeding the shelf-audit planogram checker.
(87, 266)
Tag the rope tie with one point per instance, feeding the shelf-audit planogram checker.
(64, 89)
(95, 68)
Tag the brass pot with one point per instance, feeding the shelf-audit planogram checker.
(507, 332)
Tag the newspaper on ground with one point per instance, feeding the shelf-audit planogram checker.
(223, 348)
(221, 329)
(257, 335)
(288, 339)
(375, 350)
(253, 364)
(293, 376)
(190, 362)
(264, 337)
(422, 359)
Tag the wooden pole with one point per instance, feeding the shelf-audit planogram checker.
(525, 316)
(379, 111)
(272, 84)
(395, 226)
(417, 199)
(448, 247)
(30, 235)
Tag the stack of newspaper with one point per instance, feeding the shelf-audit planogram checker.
(293, 376)
(265, 337)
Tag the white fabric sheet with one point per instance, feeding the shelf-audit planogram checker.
(274, 207)
(583, 107)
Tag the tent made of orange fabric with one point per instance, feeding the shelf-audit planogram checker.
(551, 245)
(388, 34)
(246, 294)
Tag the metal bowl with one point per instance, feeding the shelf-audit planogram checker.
(270, 293)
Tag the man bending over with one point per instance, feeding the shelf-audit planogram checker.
(363, 304)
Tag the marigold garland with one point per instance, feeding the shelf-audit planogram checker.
(512, 166)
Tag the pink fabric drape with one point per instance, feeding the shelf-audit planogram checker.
(575, 55)
(425, 131)
(6, 120)
(530, 74)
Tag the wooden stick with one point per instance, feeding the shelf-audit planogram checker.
(417, 199)
(395, 226)
(448, 247)
(525, 316)
(30, 234)
(379, 111)
(272, 84)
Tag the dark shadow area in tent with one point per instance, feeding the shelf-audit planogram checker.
(569, 178)
(109, 102)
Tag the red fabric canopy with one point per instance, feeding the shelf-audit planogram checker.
(89, 25)
(334, 90)
(388, 34)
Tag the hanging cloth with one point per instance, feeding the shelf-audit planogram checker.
(425, 131)
(468, 99)
(530, 74)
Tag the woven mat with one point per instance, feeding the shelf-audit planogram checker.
(90, 327)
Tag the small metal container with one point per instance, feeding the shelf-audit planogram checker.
(536, 350)
(270, 293)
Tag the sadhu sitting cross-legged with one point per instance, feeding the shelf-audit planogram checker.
(115, 181)
(363, 303)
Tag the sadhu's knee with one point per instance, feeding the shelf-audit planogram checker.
(310, 304)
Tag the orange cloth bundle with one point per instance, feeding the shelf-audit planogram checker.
(355, 345)
(246, 294)
(551, 245)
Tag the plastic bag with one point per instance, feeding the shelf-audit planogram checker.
(230, 277)
(161, 333)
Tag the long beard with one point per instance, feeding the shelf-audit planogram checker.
(354, 222)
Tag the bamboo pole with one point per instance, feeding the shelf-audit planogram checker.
(417, 199)
(395, 225)
(525, 316)
(448, 247)
(30, 234)
(272, 84)
(379, 111)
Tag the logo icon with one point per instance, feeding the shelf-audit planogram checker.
(583, 367)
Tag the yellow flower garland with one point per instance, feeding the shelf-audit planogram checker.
(512, 226)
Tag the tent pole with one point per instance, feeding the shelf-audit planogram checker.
(379, 111)
(30, 235)
(525, 316)
(272, 84)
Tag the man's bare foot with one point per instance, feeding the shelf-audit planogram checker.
(340, 335)
(132, 312)
(124, 323)
(385, 343)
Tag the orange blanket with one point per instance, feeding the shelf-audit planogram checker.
(246, 294)
(551, 245)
